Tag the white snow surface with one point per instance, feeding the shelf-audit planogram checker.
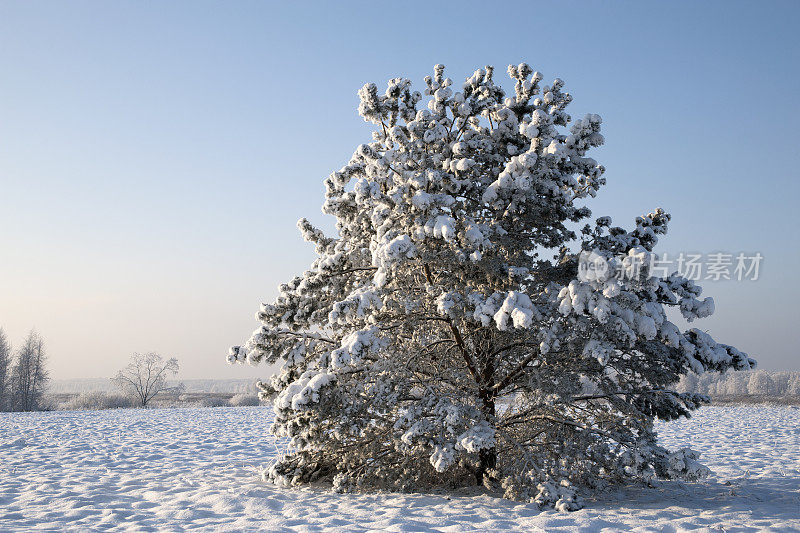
(178, 469)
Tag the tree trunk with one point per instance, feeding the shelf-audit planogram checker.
(487, 458)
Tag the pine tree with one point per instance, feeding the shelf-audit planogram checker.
(462, 327)
(5, 363)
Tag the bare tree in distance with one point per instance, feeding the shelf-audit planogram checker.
(29, 375)
(146, 376)
(5, 363)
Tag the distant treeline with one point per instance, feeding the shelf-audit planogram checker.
(81, 385)
(23, 375)
(752, 383)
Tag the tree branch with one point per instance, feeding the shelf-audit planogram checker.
(462, 347)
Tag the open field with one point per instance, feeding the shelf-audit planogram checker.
(175, 469)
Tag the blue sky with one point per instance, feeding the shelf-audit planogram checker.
(154, 157)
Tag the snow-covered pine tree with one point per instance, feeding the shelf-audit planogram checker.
(446, 336)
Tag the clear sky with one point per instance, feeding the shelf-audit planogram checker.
(155, 156)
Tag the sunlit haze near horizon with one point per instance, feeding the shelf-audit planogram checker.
(155, 157)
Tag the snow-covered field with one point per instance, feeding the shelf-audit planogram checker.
(176, 469)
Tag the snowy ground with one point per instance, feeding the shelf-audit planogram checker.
(176, 469)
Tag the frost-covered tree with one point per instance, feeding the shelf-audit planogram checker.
(146, 376)
(5, 363)
(780, 382)
(446, 336)
(758, 383)
(793, 384)
(29, 375)
(688, 383)
(761, 383)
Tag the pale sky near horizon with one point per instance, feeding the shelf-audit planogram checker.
(155, 157)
